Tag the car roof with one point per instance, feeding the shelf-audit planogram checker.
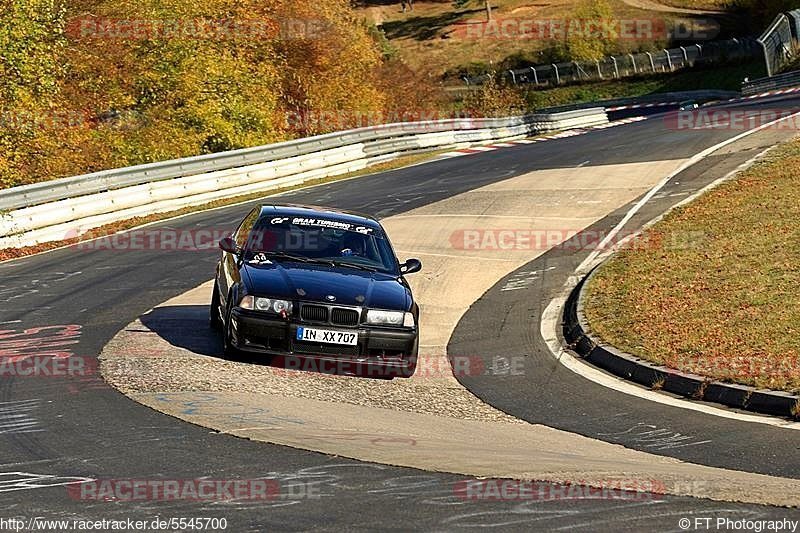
(328, 213)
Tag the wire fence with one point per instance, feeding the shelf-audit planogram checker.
(778, 45)
(779, 42)
(622, 66)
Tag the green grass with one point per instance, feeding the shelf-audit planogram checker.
(726, 303)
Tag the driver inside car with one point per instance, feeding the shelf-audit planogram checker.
(353, 244)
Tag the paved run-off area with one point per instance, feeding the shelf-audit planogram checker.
(563, 200)
(168, 359)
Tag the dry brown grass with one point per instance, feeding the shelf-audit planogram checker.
(433, 39)
(726, 306)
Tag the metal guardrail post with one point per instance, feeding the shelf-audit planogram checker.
(558, 78)
(513, 77)
(794, 23)
(633, 62)
(669, 59)
(599, 72)
(535, 76)
(736, 47)
(780, 81)
(652, 65)
(767, 62)
(616, 69)
(775, 43)
(685, 56)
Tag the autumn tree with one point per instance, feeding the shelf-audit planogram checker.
(31, 37)
(232, 74)
(587, 36)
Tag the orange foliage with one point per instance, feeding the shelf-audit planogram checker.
(149, 80)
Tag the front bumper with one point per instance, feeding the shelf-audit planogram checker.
(379, 347)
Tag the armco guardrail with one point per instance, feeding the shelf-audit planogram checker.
(657, 99)
(771, 83)
(68, 207)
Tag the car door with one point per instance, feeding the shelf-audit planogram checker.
(230, 274)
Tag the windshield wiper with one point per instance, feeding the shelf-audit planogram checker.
(353, 265)
(329, 262)
(288, 257)
(300, 258)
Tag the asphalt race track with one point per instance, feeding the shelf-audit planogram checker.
(545, 392)
(54, 431)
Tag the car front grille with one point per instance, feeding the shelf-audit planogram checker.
(330, 314)
(314, 313)
(344, 317)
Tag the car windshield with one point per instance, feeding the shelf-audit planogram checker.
(320, 240)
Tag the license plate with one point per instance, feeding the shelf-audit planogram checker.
(327, 336)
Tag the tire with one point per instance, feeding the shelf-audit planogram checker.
(411, 365)
(229, 351)
(214, 318)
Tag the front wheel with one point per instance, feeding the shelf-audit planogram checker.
(229, 350)
(411, 362)
(411, 367)
(214, 312)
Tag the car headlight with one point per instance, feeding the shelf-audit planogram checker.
(247, 302)
(265, 304)
(390, 318)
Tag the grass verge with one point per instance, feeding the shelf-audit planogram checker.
(716, 291)
(122, 225)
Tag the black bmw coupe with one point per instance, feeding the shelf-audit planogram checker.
(319, 285)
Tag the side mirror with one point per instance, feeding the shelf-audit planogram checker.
(411, 266)
(229, 245)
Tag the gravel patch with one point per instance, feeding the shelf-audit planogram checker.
(138, 360)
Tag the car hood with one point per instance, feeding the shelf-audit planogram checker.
(297, 281)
